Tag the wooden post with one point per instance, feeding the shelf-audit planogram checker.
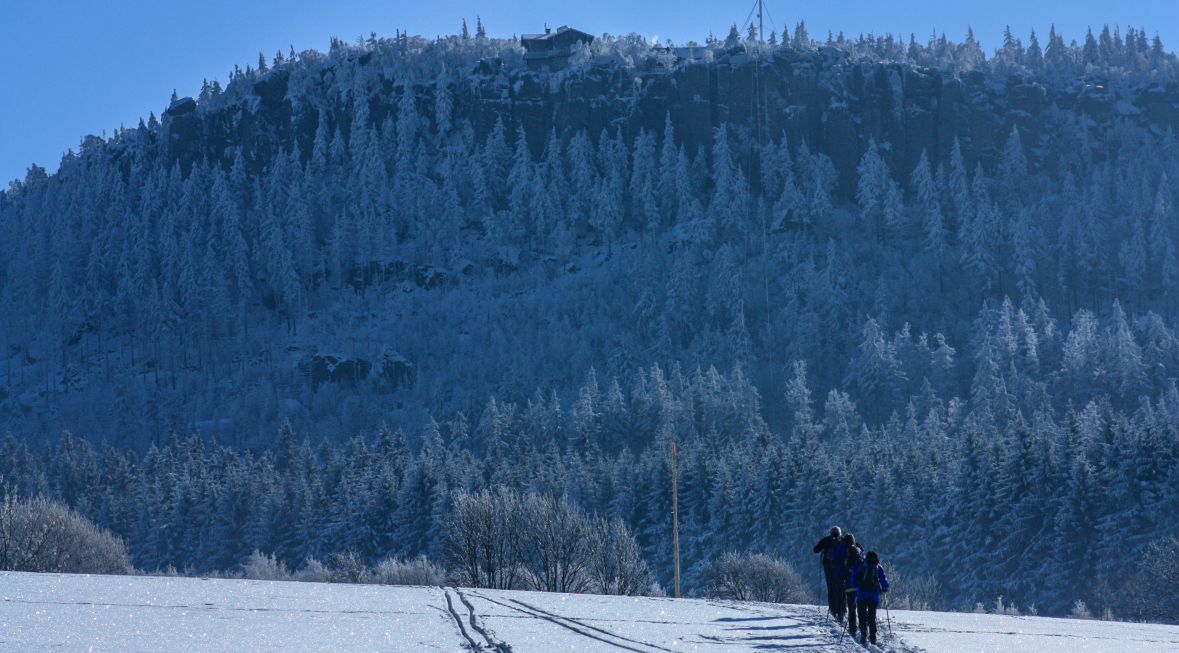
(675, 519)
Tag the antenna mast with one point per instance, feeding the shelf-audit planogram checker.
(761, 32)
(760, 10)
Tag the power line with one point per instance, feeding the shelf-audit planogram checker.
(749, 17)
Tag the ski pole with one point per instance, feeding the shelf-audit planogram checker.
(888, 616)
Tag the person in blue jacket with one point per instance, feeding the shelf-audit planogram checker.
(870, 582)
(853, 555)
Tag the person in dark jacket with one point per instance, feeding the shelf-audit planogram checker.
(832, 549)
(870, 582)
(853, 556)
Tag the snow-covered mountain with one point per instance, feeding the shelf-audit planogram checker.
(404, 228)
(907, 288)
(49, 612)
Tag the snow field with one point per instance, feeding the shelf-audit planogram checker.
(59, 612)
(986, 633)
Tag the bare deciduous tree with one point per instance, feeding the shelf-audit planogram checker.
(1151, 593)
(557, 543)
(418, 571)
(753, 577)
(918, 593)
(265, 566)
(42, 535)
(503, 539)
(484, 538)
(347, 567)
(616, 564)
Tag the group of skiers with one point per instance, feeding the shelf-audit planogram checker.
(855, 582)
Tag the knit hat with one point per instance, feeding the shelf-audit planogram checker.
(835, 531)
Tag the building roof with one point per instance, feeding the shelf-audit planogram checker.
(549, 34)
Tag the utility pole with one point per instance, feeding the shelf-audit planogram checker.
(675, 519)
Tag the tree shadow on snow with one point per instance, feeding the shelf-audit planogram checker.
(737, 619)
(769, 642)
(782, 627)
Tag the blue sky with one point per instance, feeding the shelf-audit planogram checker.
(75, 67)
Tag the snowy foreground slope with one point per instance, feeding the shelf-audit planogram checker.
(48, 612)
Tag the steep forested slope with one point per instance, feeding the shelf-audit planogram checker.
(902, 285)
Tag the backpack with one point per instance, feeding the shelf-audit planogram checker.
(854, 557)
(869, 580)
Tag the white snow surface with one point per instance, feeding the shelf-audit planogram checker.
(57, 612)
(987, 633)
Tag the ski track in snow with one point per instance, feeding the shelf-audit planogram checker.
(492, 643)
(702, 625)
(458, 621)
(586, 625)
(888, 643)
(580, 628)
(131, 614)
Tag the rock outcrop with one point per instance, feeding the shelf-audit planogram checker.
(821, 96)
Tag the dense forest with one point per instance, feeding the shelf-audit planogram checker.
(908, 288)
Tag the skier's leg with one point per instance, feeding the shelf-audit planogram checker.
(839, 590)
(851, 611)
(872, 605)
(833, 600)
